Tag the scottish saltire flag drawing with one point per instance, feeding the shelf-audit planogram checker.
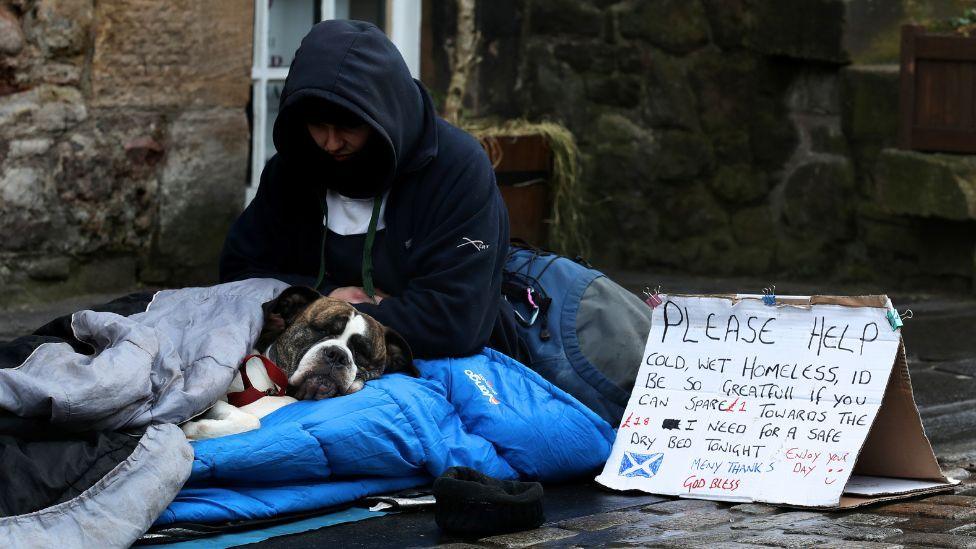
(640, 465)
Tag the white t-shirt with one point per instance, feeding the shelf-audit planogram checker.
(349, 216)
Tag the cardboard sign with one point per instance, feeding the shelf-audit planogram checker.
(797, 403)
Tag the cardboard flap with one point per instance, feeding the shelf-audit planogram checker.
(897, 446)
(852, 501)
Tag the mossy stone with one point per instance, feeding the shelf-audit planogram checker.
(739, 184)
(773, 137)
(869, 109)
(693, 212)
(730, 21)
(927, 185)
(726, 87)
(750, 260)
(819, 202)
(754, 226)
(573, 17)
(812, 29)
(669, 99)
(829, 140)
(680, 155)
(731, 145)
(678, 26)
(615, 90)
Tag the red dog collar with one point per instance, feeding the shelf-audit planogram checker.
(250, 393)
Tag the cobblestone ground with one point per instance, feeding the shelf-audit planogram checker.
(934, 521)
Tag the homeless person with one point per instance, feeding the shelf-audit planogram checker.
(373, 199)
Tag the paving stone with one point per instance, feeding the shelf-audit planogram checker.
(601, 521)
(957, 473)
(680, 506)
(529, 538)
(929, 510)
(937, 540)
(754, 509)
(696, 543)
(865, 519)
(929, 524)
(645, 538)
(967, 491)
(844, 544)
(695, 520)
(960, 501)
(967, 529)
(735, 545)
(790, 541)
(676, 538)
(827, 528)
(782, 520)
(966, 367)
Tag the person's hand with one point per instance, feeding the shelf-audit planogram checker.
(355, 294)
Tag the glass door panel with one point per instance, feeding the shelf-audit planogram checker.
(288, 22)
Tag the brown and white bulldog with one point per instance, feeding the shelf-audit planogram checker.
(324, 346)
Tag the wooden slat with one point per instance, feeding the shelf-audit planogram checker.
(528, 210)
(527, 153)
(930, 88)
(964, 96)
(947, 140)
(906, 96)
(949, 48)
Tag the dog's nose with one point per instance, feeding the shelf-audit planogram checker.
(335, 356)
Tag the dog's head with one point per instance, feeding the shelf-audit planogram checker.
(326, 347)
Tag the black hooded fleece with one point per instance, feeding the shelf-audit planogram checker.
(441, 254)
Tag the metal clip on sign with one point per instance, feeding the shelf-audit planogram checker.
(896, 319)
(653, 299)
(769, 296)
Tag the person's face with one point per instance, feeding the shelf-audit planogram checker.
(339, 141)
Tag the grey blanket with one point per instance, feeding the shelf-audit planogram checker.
(150, 371)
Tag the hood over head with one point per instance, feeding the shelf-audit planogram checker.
(353, 65)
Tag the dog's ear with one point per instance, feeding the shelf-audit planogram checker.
(281, 311)
(399, 357)
(290, 303)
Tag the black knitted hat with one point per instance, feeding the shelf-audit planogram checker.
(471, 504)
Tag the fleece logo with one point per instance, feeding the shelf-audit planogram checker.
(478, 244)
(484, 386)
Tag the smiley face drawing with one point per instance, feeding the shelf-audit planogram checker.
(828, 479)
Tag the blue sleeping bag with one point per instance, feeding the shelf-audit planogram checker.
(486, 411)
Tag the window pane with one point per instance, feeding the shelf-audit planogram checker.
(373, 11)
(288, 22)
(273, 97)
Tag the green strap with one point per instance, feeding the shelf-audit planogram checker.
(325, 232)
(368, 248)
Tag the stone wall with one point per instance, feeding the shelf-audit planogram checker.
(123, 141)
(722, 137)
